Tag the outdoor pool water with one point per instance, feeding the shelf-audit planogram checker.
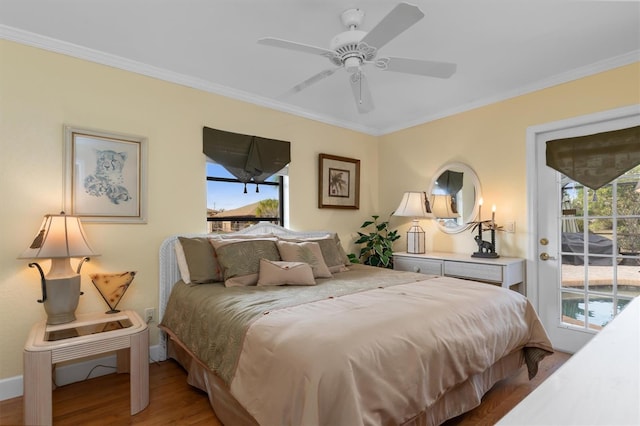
(600, 310)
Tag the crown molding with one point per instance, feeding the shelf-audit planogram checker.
(575, 74)
(103, 58)
(80, 52)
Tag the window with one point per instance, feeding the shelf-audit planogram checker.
(230, 209)
(600, 249)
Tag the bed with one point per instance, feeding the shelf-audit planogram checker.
(355, 345)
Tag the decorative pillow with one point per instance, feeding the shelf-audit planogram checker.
(240, 258)
(332, 252)
(307, 252)
(201, 260)
(182, 262)
(281, 273)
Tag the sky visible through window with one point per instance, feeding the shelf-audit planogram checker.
(229, 196)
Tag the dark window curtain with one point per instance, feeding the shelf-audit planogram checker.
(595, 160)
(248, 158)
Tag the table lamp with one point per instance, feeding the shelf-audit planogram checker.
(60, 238)
(416, 205)
(442, 207)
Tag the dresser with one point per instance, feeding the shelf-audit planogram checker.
(507, 272)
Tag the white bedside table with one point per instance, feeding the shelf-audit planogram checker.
(507, 272)
(90, 334)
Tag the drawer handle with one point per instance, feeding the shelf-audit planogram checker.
(416, 269)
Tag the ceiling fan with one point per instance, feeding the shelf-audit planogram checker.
(354, 48)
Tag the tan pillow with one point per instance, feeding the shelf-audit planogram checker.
(201, 260)
(281, 273)
(307, 252)
(332, 252)
(240, 258)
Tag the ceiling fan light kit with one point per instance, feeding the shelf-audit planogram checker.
(353, 49)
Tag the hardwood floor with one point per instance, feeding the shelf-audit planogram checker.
(105, 400)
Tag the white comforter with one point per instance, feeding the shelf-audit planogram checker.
(380, 356)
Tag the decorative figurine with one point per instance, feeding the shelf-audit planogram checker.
(486, 249)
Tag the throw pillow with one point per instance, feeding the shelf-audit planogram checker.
(281, 273)
(201, 260)
(307, 252)
(240, 258)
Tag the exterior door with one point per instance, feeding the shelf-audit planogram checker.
(587, 242)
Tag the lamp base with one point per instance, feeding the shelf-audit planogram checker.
(415, 238)
(63, 295)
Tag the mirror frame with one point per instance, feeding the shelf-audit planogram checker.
(471, 174)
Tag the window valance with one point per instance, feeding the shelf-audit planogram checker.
(248, 158)
(595, 160)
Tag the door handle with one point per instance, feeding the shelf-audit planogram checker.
(545, 256)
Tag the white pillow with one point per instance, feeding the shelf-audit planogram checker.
(281, 273)
(182, 262)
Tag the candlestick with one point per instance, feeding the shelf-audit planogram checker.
(493, 239)
(493, 216)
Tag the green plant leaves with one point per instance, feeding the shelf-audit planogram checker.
(378, 244)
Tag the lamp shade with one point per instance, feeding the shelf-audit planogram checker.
(414, 204)
(60, 236)
(441, 207)
(638, 186)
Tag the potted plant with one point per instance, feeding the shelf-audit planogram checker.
(377, 249)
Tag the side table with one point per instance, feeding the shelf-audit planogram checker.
(90, 334)
(507, 272)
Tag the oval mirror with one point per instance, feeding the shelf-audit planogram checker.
(454, 195)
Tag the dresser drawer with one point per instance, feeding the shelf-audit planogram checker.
(474, 271)
(423, 266)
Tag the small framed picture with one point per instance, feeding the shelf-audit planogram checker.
(105, 176)
(339, 182)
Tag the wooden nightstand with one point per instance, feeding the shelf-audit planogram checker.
(90, 334)
(507, 272)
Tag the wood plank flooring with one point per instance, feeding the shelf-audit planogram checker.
(105, 400)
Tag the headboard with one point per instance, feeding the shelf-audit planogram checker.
(170, 273)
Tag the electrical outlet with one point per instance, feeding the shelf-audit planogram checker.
(510, 227)
(149, 315)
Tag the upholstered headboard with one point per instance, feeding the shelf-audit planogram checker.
(170, 273)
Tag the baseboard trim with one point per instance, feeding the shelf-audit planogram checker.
(12, 387)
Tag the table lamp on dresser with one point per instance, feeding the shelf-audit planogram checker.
(416, 205)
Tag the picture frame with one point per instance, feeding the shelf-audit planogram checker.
(338, 182)
(105, 176)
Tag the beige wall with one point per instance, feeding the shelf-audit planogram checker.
(40, 91)
(492, 140)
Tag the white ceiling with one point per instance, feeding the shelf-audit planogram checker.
(502, 49)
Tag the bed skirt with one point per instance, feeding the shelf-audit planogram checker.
(458, 400)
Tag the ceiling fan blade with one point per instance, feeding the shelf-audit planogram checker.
(417, 66)
(292, 45)
(361, 92)
(311, 80)
(398, 20)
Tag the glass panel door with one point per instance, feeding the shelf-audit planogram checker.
(587, 258)
(600, 263)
